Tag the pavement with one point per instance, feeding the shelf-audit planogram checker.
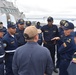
(55, 73)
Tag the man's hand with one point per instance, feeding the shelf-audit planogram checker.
(44, 42)
(74, 60)
(55, 38)
(64, 44)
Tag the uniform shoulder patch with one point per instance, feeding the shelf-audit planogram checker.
(5, 45)
(69, 40)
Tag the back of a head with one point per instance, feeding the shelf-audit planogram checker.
(30, 32)
(38, 23)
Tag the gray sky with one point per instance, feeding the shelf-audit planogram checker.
(47, 7)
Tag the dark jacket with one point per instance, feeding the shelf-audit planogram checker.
(20, 37)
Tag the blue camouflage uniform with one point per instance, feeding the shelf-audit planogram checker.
(2, 53)
(11, 44)
(19, 33)
(66, 50)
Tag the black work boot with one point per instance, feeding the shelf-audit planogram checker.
(55, 70)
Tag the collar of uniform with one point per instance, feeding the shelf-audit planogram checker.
(9, 35)
(32, 43)
(50, 25)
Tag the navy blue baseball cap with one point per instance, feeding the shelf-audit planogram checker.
(72, 25)
(20, 21)
(62, 22)
(10, 25)
(28, 23)
(49, 19)
(68, 25)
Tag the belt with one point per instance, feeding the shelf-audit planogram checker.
(10, 51)
(1, 56)
(50, 42)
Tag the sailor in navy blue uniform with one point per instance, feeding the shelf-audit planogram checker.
(72, 66)
(50, 31)
(66, 50)
(11, 44)
(40, 40)
(40, 34)
(61, 35)
(31, 58)
(72, 29)
(19, 32)
(2, 53)
(4, 28)
(38, 26)
(60, 29)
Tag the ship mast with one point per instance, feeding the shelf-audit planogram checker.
(15, 3)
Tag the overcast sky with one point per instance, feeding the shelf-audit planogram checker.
(48, 7)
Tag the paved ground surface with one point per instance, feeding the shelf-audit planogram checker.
(55, 73)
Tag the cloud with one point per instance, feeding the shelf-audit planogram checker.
(35, 7)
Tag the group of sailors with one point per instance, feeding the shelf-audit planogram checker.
(51, 36)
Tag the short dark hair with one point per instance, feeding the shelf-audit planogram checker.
(49, 19)
(1, 22)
